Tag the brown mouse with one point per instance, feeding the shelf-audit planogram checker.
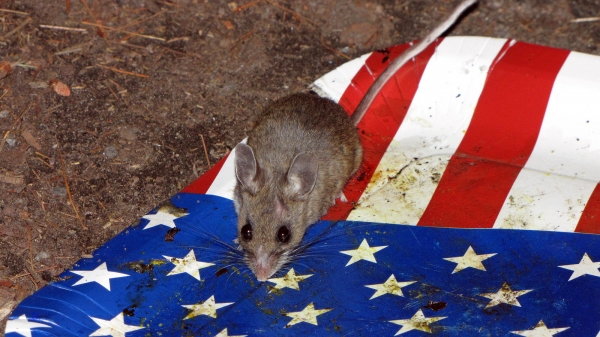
(298, 157)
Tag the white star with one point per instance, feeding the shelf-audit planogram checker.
(165, 215)
(504, 295)
(308, 315)
(363, 252)
(100, 275)
(585, 267)
(208, 308)
(22, 326)
(417, 322)
(391, 286)
(116, 327)
(469, 260)
(540, 330)
(187, 265)
(223, 333)
(290, 280)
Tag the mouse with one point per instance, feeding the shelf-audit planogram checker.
(298, 157)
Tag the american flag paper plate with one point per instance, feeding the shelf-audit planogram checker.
(475, 213)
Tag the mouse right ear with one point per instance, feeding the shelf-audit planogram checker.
(247, 170)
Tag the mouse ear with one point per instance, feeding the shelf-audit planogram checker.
(302, 175)
(247, 170)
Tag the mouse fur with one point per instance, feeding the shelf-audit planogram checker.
(298, 158)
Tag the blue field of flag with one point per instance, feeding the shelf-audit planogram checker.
(171, 275)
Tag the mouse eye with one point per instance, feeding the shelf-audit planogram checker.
(283, 234)
(246, 232)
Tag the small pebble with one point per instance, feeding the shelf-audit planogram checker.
(41, 255)
(59, 191)
(11, 142)
(4, 113)
(110, 152)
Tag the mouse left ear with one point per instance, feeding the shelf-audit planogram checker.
(246, 168)
(302, 175)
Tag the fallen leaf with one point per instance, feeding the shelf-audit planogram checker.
(60, 88)
(5, 69)
(30, 139)
(228, 24)
(15, 180)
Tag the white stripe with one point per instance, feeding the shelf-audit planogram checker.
(225, 181)
(434, 126)
(564, 167)
(333, 84)
(542, 201)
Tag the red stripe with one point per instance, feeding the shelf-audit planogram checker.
(384, 117)
(499, 140)
(590, 218)
(202, 184)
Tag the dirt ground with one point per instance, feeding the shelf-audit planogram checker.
(162, 89)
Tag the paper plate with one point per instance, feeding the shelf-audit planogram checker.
(474, 214)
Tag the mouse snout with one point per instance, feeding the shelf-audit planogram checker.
(264, 266)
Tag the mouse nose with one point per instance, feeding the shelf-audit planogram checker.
(262, 273)
(263, 267)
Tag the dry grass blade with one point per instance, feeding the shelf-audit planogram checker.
(205, 151)
(18, 28)
(79, 30)
(120, 71)
(62, 164)
(125, 32)
(580, 20)
(13, 12)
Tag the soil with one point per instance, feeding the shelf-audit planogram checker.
(162, 89)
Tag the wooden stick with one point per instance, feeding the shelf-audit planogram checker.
(25, 274)
(411, 52)
(124, 31)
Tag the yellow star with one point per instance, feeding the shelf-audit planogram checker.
(391, 286)
(417, 322)
(208, 308)
(504, 295)
(540, 330)
(363, 252)
(188, 265)
(308, 315)
(469, 260)
(165, 215)
(290, 280)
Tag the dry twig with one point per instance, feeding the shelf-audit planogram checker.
(205, 151)
(14, 12)
(79, 30)
(18, 28)
(62, 164)
(580, 20)
(124, 31)
(117, 70)
(294, 14)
